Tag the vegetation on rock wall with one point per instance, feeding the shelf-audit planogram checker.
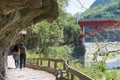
(16, 15)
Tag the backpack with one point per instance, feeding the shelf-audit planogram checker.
(22, 50)
(15, 48)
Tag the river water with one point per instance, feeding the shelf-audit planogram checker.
(110, 63)
(91, 48)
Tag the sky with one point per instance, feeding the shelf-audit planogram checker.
(78, 6)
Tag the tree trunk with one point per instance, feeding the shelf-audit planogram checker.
(79, 51)
(3, 62)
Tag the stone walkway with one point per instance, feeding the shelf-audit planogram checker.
(27, 73)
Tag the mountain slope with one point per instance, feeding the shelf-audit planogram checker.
(102, 2)
(108, 11)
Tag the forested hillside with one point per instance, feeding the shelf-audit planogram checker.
(102, 2)
(111, 10)
(108, 11)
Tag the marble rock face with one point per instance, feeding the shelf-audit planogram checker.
(16, 15)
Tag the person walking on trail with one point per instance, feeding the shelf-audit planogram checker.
(23, 52)
(16, 55)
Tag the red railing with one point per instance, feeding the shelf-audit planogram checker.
(96, 23)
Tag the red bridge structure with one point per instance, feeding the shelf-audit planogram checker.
(106, 24)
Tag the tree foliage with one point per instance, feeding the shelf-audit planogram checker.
(63, 31)
(108, 11)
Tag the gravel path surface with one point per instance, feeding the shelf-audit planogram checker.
(27, 73)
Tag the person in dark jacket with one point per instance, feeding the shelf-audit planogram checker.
(16, 55)
(23, 52)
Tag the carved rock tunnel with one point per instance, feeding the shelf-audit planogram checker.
(16, 15)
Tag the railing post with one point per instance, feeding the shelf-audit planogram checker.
(48, 63)
(68, 75)
(37, 61)
(64, 68)
(55, 65)
(72, 77)
(30, 61)
(41, 62)
(34, 61)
